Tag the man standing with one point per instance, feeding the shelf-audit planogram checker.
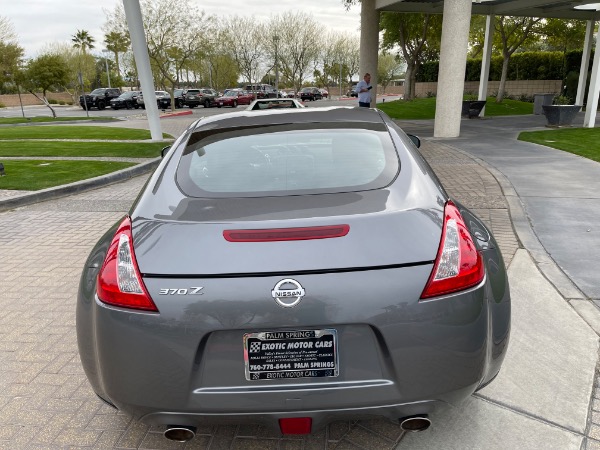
(363, 89)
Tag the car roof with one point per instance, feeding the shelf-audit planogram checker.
(339, 114)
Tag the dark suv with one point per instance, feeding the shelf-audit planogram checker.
(203, 96)
(99, 98)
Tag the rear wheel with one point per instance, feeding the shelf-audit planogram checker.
(235, 103)
(128, 105)
(207, 103)
(101, 105)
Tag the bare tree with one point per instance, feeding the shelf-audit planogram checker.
(299, 43)
(513, 32)
(388, 67)
(246, 44)
(7, 31)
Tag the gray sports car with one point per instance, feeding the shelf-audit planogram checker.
(292, 268)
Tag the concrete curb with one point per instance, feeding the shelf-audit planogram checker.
(78, 187)
(583, 306)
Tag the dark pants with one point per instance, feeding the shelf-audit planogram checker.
(364, 105)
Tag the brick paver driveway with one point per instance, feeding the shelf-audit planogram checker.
(45, 399)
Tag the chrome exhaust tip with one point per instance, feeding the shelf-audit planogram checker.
(180, 433)
(415, 423)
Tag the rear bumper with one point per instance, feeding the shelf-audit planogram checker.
(320, 418)
(397, 358)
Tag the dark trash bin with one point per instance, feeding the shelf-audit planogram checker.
(539, 100)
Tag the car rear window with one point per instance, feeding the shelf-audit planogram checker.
(287, 159)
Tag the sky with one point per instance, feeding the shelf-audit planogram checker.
(38, 22)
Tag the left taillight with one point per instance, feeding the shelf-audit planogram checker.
(458, 265)
(119, 281)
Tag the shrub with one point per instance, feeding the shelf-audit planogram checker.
(70, 103)
(526, 98)
(53, 101)
(562, 100)
(430, 94)
(61, 102)
(2, 105)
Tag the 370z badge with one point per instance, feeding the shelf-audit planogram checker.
(288, 293)
(182, 291)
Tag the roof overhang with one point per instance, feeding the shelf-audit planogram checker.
(561, 9)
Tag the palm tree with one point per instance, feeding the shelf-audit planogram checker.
(117, 42)
(83, 40)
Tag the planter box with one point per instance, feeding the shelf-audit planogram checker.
(472, 108)
(560, 115)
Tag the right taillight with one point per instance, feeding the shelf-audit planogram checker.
(119, 280)
(458, 264)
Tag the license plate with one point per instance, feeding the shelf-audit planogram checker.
(220, 103)
(272, 355)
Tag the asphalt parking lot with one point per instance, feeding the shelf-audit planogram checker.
(547, 395)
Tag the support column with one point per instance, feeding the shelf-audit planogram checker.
(369, 44)
(592, 101)
(487, 57)
(585, 61)
(135, 24)
(453, 61)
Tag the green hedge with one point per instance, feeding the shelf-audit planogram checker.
(522, 66)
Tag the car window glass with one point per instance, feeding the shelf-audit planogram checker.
(286, 162)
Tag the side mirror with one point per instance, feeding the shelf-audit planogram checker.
(415, 140)
(164, 151)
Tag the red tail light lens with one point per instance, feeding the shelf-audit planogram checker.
(119, 280)
(458, 264)
(286, 234)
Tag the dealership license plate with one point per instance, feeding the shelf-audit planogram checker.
(271, 355)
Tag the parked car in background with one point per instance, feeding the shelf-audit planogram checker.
(310, 93)
(234, 97)
(99, 98)
(163, 99)
(126, 100)
(324, 93)
(261, 90)
(179, 98)
(352, 91)
(291, 268)
(274, 103)
(206, 97)
(288, 93)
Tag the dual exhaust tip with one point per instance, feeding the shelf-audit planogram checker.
(182, 433)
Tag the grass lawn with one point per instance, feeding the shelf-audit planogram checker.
(35, 175)
(579, 141)
(14, 120)
(91, 149)
(424, 108)
(75, 132)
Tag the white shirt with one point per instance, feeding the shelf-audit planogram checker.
(363, 97)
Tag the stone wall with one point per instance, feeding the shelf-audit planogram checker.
(515, 88)
(29, 99)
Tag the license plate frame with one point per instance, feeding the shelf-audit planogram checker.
(291, 354)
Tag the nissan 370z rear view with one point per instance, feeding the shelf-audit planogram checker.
(291, 268)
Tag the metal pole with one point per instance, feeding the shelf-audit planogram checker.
(87, 113)
(276, 39)
(340, 80)
(107, 72)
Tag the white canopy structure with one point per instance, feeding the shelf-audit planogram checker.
(455, 36)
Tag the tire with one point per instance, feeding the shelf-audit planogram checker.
(101, 105)
(191, 106)
(128, 105)
(235, 104)
(207, 103)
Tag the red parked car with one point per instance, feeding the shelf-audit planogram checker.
(234, 97)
